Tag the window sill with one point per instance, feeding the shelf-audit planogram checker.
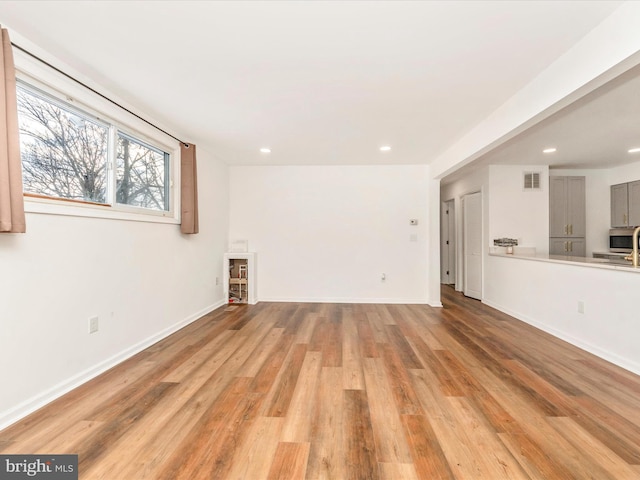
(59, 207)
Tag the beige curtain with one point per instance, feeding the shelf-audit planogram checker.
(11, 200)
(188, 189)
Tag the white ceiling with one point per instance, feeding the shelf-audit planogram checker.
(594, 132)
(317, 82)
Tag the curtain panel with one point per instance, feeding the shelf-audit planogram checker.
(12, 218)
(188, 189)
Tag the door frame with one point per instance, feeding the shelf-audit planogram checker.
(463, 236)
(448, 263)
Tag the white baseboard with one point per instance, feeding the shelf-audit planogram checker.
(414, 301)
(597, 351)
(23, 409)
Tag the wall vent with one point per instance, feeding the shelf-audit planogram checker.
(532, 181)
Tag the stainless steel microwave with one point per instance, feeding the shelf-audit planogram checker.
(621, 240)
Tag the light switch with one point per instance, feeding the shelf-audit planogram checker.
(413, 221)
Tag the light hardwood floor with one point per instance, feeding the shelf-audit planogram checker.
(293, 391)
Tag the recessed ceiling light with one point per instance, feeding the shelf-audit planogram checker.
(265, 150)
(549, 150)
(385, 148)
(634, 150)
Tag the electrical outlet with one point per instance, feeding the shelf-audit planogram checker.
(93, 324)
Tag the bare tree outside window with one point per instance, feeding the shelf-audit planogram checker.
(141, 174)
(63, 154)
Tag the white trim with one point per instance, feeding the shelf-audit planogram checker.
(40, 400)
(252, 287)
(604, 354)
(410, 301)
(51, 206)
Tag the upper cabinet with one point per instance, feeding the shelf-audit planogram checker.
(634, 204)
(625, 204)
(620, 205)
(567, 216)
(567, 210)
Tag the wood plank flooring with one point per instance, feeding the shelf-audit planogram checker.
(337, 391)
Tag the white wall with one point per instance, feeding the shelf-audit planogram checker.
(321, 233)
(143, 280)
(542, 293)
(623, 173)
(546, 295)
(508, 210)
(329, 233)
(608, 50)
(518, 213)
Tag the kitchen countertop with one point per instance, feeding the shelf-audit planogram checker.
(611, 254)
(564, 259)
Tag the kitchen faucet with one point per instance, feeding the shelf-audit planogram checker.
(634, 254)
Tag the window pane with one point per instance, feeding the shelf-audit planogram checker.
(63, 153)
(141, 174)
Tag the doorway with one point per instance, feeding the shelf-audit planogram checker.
(472, 245)
(448, 243)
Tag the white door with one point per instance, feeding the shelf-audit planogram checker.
(472, 244)
(447, 243)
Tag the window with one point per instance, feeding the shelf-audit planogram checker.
(67, 153)
(141, 174)
(64, 154)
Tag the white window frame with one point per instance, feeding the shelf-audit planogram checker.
(39, 76)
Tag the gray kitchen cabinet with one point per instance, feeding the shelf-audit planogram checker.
(620, 205)
(634, 203)
(625, 205)
(557, 246)
(557, 206)
(567, 216)
(571, 247)
(567, 210)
